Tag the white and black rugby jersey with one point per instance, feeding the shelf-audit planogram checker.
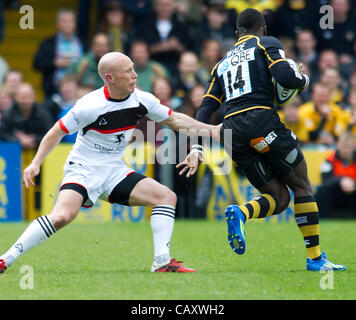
(106, 125)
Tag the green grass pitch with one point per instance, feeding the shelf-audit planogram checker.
(112, 261)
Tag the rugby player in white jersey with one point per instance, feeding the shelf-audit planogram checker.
(105, 120)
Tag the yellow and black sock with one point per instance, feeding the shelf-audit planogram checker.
(260, 207)
(307, 218)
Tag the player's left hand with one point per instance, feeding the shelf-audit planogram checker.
(191, 163)
(29, 173)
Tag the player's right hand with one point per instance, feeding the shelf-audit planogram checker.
(303, 72)
(301, 68)
(190, 164)
(29, 173)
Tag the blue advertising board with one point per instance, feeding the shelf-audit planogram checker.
(10, 182)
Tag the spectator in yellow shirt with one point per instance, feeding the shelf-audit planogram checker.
(290, 117)
(260, 5)
(324, 120)
(331, 78)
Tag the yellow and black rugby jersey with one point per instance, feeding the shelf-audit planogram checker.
(242, 80)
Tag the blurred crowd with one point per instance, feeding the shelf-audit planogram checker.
(174, 45)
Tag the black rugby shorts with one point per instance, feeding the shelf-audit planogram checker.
(261, 145)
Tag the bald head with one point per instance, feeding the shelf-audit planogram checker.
(117, 71)
(25, 97)
(111, 62)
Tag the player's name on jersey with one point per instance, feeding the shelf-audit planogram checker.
(240, 51)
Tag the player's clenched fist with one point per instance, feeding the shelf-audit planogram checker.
(29, 173)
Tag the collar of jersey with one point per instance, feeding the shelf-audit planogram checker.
(244, 38)
(107, 96)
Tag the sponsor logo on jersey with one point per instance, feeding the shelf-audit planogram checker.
(104, 149)
(102, 122)
(261, 144)
(240, 57)
(224, 66)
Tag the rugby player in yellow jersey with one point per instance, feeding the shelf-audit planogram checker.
(267, 152)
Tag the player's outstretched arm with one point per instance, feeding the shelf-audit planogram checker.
(49, 141)
(177, 121)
